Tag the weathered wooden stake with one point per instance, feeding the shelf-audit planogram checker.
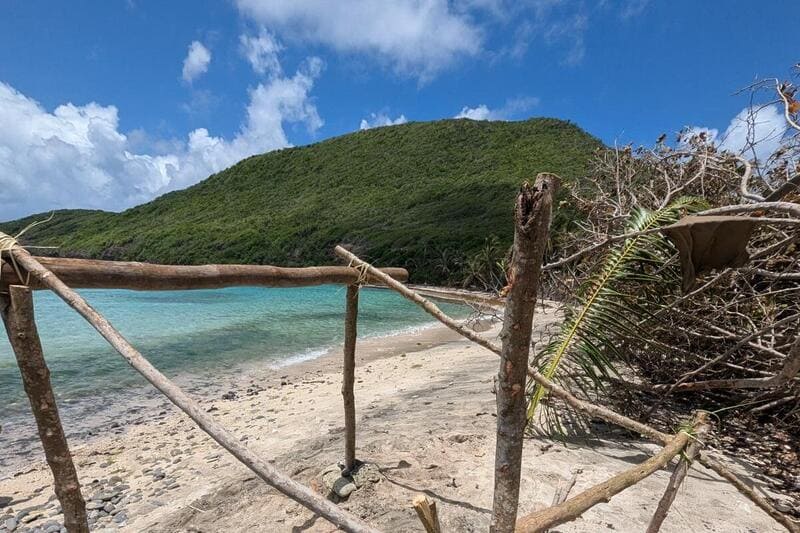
(532, 216)
(426, 511)
(348, 376)
(18, 316)
(679, 474)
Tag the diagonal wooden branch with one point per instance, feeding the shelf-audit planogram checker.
(602, 493)
(679, 474)
(430, 307)
(789, 370)
(782, 207)
(226, 439)
(590, 409)
(791, 185)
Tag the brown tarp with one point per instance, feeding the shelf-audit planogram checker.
(710, 242)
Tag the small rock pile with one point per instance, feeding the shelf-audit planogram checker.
(338, 487)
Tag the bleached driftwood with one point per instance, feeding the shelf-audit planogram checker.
(19, 319)
(532, 216)
(563, 489)
(226, 439)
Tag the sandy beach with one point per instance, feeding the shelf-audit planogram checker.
(425, 424)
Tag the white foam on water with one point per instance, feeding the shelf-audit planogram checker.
(316, 353)
(306, 355)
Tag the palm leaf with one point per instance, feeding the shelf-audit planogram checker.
(602, 315)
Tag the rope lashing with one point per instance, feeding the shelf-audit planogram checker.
(7, 243)
(363, 272)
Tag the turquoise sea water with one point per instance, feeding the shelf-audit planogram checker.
(202, 333)
(200, 338)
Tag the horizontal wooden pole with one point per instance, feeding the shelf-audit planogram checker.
(277, 479)
(96, 274)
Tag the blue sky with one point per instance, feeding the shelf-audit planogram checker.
(106, 104)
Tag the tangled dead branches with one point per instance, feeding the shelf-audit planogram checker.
(729, 344)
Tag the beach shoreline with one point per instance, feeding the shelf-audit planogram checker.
(89, 419)
(425, 420)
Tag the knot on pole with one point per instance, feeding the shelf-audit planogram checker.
(363, 272)
(8, 243)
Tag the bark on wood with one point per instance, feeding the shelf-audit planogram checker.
(348, 377)
(89, 273)
(579, 504)
(426, 511)
(590, 409)
(531, 225)
(19, 319)
(225, 438)
(679, 474)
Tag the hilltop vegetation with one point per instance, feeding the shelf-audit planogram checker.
(434, 197)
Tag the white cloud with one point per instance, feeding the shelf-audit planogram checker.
(756, 133)
(511, 109)
(75, 156)
(196, 62)
(262, 53)
(475, 113)
(569, 30)
(416, 37)
(380, 119)
(753, 134)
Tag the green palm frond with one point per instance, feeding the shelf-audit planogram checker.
(601, 316)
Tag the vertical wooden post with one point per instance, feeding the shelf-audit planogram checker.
(532, 216)
(348, 376)
(19, 320)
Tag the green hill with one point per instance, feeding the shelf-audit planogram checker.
(429, 196)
